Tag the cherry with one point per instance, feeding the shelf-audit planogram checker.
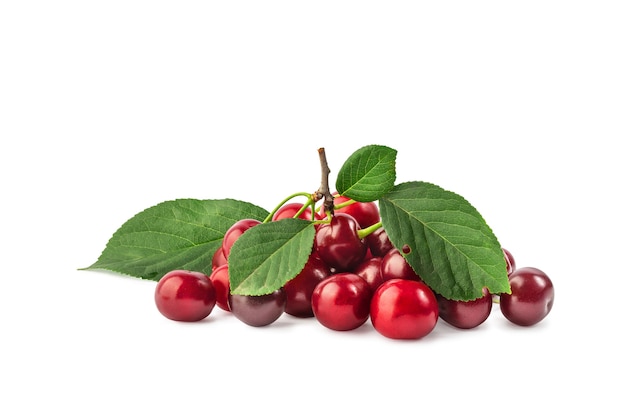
(510, 261)
(404, 309)
(394, 265)
(258, 310)
(185, 295)
(218, 259)
(221, 283)
(366, 214)
(299, 289)
(531, 297)
(234, 231)
(369, 270)
(338, 243)
(378, 242)
(341, 301)
(290, 210)
(465, 314)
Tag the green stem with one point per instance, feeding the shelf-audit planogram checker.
(364, 232)
(309, 202)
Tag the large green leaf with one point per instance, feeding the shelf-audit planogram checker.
(451, 246)
(368, 173)
(268, 255)
(177, 234)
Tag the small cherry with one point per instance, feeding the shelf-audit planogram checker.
(185, 295)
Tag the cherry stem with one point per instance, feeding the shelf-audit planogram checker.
(364, 232)
(310, 199)
(324, 191)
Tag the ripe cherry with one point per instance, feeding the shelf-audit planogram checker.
(378, 242)
(218, 259)
(510, 261)
(531, 298)
(341, 301)
(394, 265)
(404, 309)
(234, 231)
(299, 289)
(465, 314)
(290, 210)
(365, 213)
(369, 270)
(221, 283)
(185, 295)
(338, 243)
(258, 310)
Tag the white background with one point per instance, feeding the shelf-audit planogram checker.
(107, 108)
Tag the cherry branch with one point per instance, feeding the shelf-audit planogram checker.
(324, 190)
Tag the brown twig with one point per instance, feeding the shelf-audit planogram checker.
(324, 190)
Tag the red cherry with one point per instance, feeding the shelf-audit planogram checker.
(510, 261)
(465, 314)
(234, 231)
(366, 214)
(369, 270)
(290, 210)
(218, 259)
(221, 283)
(341, 301)
(404, 309)
(185, 295)
(338, 243)
(378, 242)
(299, 289)
(531, 297)
(394, 265)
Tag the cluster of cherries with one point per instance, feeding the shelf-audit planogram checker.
(348, 280)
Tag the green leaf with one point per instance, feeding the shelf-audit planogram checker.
(268, 255)
(368, 173)
(177, 234)
(451, 246)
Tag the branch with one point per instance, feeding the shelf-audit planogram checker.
(324, 190)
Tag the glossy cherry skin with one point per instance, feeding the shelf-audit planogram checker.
(218, 259)
(378, 242)
(299, 289)
(234, 231)
(185, 295)
(221, 283)
(394, 265)
(258, 310)
(341, 301)
(369, 270)
(338, 243)
(366, 214)
(465, 314)
(404, 309)
(531, 298)
(510, 261)
(290, 210)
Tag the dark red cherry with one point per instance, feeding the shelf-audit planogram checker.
(338, 244)
(465, 314)
(531, 297)
(258, 310)
(510, 261)
(299, 289)
(369, 270)
(378, 242)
